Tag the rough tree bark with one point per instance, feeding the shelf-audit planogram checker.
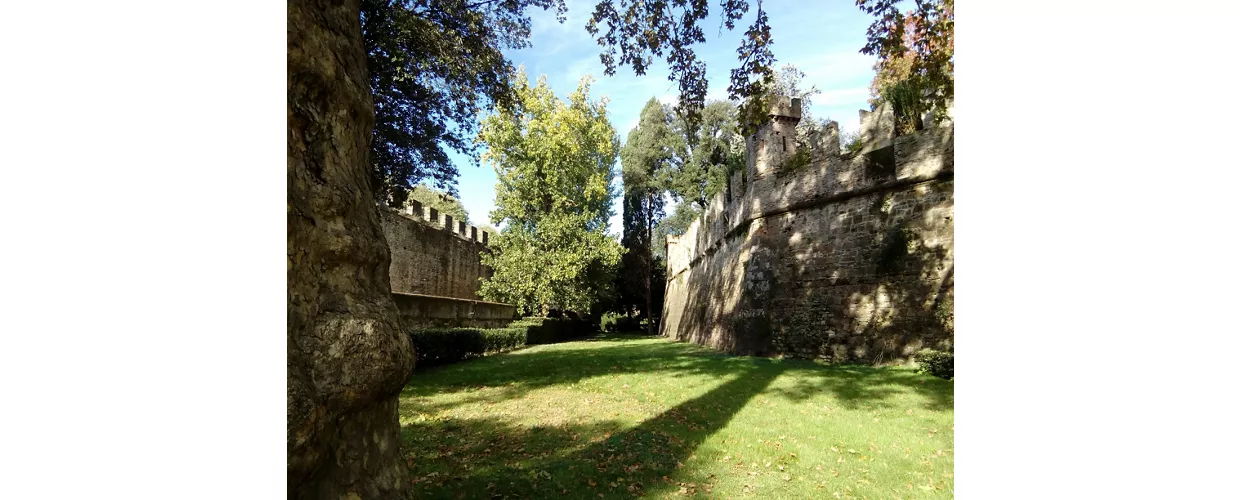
(347, 358)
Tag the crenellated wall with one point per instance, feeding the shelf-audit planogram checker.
(436, 268)
(829, 255)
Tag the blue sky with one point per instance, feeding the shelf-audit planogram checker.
(820, 38)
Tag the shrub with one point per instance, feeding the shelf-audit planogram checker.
(937, 363)
(503, 339)
(615, 322)
(441, 346)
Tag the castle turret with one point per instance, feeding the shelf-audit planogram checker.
(775, 141)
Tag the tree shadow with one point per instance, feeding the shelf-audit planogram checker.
(486, 457)
(642, 460)
(524, 369)
(860, 386)
(849, 259)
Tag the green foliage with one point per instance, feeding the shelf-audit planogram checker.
(906, 104)
(440, 346)
(554, 330)
(648, 153)
(945, 313)
(916, 51)
(850, 142)
(433, 65)
(439, 200)
(503, 339)
(619, 323)
(935, 363)
(553, 160)
(640, 31)
(708, 154)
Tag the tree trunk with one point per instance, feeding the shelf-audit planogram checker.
(649, 267)
(347, 355)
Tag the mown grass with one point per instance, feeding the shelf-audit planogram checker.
(621, 416)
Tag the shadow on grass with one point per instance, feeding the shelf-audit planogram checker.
(488, 458)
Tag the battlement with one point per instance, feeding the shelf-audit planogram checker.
(433, 218)
(432, 254)
(778, 180)
(823, 253)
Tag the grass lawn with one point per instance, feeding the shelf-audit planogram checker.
(619, 416)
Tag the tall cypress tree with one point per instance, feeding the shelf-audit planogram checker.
(645, 158)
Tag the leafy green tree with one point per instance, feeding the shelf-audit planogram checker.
(648, 153)
(553, 160)
(439, 200)
(706, 155)
(433, 65)
(915, 71)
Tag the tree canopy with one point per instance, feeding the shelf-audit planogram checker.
(553, 160)
(433, 65)
(915, 71)
(647, 154)
(641, 30)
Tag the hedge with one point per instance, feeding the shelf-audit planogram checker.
(440, 346)
(553, 330)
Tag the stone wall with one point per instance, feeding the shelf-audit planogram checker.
(433, 254)
(436, 268)
(825, 254)
(424, 311)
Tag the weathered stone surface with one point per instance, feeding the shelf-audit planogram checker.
(847, 259)
(427, 260)
(877, 126)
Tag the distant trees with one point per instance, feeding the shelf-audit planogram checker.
(440, 201)
(648, 153)
(790, 82)
(554, 163)
(706, 154)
